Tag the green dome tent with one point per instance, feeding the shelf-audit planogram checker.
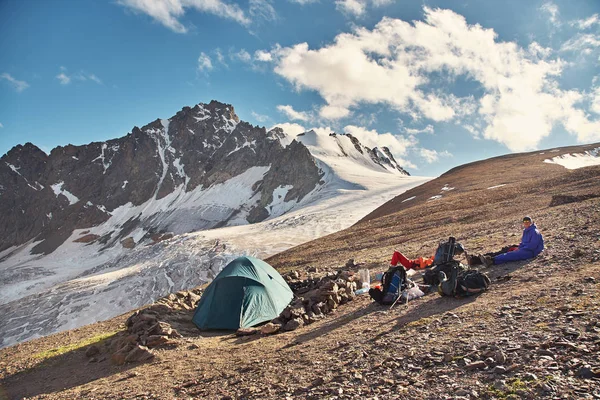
(245, 293)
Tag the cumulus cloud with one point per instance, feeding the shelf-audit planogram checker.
(293, 114)
(204, 62)
(263, 56)
(394, 64)
(431, 156)
(290, 128)
(18, 85)
(168, 12)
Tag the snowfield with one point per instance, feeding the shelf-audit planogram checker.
(79, 284)
(577, 160)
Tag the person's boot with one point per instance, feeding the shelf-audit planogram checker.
(486, 260)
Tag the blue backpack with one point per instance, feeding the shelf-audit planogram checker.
(393, 282)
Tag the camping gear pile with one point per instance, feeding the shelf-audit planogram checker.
(450, 277)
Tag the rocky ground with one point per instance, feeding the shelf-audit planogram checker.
(534, 334)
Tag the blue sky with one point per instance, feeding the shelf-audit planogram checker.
(442, 83)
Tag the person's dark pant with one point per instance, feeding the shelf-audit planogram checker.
(516, 255)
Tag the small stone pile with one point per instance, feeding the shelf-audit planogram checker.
(147, 329)
(315, 297)
(183, 300)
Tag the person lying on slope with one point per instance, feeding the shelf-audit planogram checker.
(420, 262)
(417, 263)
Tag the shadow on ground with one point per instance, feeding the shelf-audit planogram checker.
(56, 373)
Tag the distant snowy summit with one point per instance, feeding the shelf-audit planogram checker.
(203, 168)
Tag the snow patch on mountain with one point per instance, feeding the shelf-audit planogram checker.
(577, 160)
(58, 190)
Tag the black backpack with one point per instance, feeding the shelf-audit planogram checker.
(431, 275)
(462, 282)
(393, 282)
(446, 251)
(472, 282)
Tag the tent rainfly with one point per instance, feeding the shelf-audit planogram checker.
(245, 293)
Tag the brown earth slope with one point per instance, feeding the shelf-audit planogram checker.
(534, 334)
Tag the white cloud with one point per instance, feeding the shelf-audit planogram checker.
(587, 22)
(263, 56)
(357, 8)
(168, 12)
(293, 114)
(536, 50)
(260, 117)
(63, 78)
(552, 10)
(204, 62)
(351, 7)
(262, 9)
(582, 43)
(303, 2)
(18, 85)
(1, 126)
(394, 64)
(241, 55)
(380, 3)
(334, 112)
(290, 128)
(431, 156)
(220, 57)
(427, 129)
(595, 107)
(95, 79)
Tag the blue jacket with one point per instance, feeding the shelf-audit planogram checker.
(532, 240)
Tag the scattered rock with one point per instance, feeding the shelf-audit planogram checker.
(138, 354)
(499, 369)
(588, 373)
(528, 376)
(92, 351)
(89, 238)
(270, 328)
(247, 331)
(128, 243)
(293, 324)
(476, 365)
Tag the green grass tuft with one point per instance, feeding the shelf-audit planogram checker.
(46, 354)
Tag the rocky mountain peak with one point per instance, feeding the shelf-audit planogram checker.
(199, 148)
